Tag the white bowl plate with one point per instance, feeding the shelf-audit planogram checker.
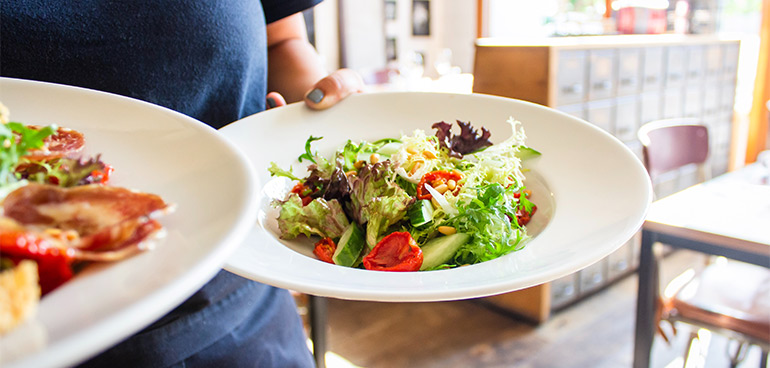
(592, 194)
(155, 150)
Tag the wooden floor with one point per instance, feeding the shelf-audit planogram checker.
(597, 332)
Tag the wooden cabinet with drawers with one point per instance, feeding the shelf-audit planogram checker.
(617, 83)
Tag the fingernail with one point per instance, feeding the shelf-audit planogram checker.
(316, 95)
(270, 102)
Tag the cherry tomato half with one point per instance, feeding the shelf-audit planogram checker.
(304, 192)
(102, 176)
(523, 217)
(395, 252)
(53, 263)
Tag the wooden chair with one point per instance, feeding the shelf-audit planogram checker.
(670, 144)
(729, 298)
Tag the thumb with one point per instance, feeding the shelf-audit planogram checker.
(274, 99)
(333, 88)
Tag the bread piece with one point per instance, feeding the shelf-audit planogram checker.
(19, 295)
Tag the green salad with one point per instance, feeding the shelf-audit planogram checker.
(419, 202)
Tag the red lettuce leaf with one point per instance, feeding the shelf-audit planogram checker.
(468, 141)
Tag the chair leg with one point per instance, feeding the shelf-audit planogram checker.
(740, 353)
(691, 345)
(318, 323)
(645, 303)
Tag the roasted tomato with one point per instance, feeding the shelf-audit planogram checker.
(395, 252)
(440, 180)
(324, 250)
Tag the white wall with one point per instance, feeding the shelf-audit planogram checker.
(326, 20)
(362, 45)
(458, 30)
(453, 26)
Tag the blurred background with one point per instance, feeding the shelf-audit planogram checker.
(617, 64)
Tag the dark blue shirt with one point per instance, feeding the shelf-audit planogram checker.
(206, 59)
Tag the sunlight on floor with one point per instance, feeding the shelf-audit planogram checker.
(333, 360)
(336, 361)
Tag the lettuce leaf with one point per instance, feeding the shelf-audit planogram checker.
(64, 172)
(489, 218)
(468, 141)
(16, 139)
(500, 163)
(275, 170)
(320, 217)
(376, 200)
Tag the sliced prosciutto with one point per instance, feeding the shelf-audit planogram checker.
(84, 223)
(64, 143)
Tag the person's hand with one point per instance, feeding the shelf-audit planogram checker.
(327, 91)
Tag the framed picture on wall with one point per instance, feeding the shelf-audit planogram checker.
(421, 17)
(390, 49)
(390, 9)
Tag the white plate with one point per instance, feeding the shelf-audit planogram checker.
(592, 194)
(154, 150)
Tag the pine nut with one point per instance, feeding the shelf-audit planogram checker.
(429, 155)
(416, 167)
(451, 184)
(374, 158)
(359, 164)
(442, 188)
(411, 150)
(447, 230)
(71, 235)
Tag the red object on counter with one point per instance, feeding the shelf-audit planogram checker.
(640, 20)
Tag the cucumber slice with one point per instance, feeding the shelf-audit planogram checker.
(349, 247)
(388, 149)
(440, 250)
(526, 153)
(420, 213)
(364, 156)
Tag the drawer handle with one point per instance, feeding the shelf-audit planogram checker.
(565, 291)
(573, 89)
(627, 81)
(621, 266)
(603, 85)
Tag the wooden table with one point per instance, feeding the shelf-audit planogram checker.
(726, 216)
